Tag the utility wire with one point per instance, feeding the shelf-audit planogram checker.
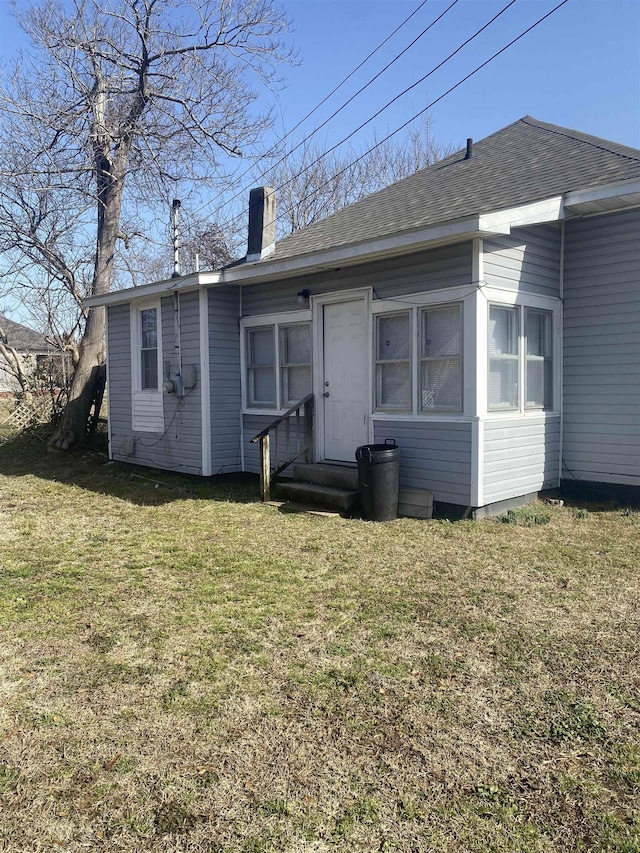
(331, 93)
(379, 112)
(428, 107)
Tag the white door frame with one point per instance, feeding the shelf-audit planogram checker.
(317, 306)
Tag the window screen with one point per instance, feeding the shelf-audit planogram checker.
(504, 349)
(149, 349)
(441, 359)
(295, 363)
(261, 389)
(393, 367)
(539, 369)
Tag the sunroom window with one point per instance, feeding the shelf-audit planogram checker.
(441, 359)
(538, 359)
(393, 365)
(504, 352)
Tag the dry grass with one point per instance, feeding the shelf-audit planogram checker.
(185, 669)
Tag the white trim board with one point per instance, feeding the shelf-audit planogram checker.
(205, 381)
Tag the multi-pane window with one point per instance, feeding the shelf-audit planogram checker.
(504, 357)
(295, 363)
(289, 347)
(441, 359)
(261, 386)
(538, 359)
(393, 365)
(149, 349)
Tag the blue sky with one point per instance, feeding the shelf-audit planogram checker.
(580, 68)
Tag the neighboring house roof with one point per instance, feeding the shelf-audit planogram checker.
(21, 338)
(525, 162)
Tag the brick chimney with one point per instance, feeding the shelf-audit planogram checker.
(262, 223)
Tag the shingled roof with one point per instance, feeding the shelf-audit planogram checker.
(526, 161)
(21, 338)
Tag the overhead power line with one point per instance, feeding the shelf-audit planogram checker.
(429, 106)
(382, 109)
(331, 93)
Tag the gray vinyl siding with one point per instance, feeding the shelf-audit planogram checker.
(449, 266)
(224, 371)
(179, 447)
(435, 457)
(601, 441)
(528, 259)
(119, 378)
(519, 457)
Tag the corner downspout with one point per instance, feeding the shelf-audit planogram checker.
(242, 468)
(561, 353)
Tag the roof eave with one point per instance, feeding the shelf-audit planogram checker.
(403, 243)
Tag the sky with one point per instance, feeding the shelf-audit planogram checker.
(580, 68)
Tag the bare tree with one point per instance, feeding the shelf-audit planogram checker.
(118, 102)
(312, 185)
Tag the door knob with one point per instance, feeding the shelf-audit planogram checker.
(325, 394)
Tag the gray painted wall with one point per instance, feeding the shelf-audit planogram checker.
(436, 457)
(179, 448)
(519, 457)
(437, 268)
(224, 367)
(601, 441)
(528, 259)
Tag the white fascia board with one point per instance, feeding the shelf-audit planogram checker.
(502, 221)
(600, 193)
(402, 243)
(170, 285)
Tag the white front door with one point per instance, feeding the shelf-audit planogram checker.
(345, 379)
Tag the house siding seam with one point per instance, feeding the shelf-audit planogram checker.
(225, 379)
(527, 260)
(435, 457)
(180, 447)
(519, 457)
(449, 266)
(601, 440)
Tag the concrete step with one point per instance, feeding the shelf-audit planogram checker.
(341, 476)
(340, 500)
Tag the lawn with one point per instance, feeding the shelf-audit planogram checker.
(185, 669)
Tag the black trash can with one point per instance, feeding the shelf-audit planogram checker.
(379, 477)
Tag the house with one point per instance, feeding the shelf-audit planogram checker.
(30, 346)
(484, 313)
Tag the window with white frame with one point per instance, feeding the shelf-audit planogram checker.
(504, 357)
(295, 363)
(437, 373)
(520, 334)
(148, 331)
(393, 364)
(277, 364)
(261, 384)
(441, 359)
(538, 378)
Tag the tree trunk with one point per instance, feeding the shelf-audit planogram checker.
(73, 426)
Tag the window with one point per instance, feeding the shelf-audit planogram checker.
(286, 346)
(295, 363)
(149, 349)
(261, 386)
(504, 358)
(441, 359)
(393, 366)
(538, 359)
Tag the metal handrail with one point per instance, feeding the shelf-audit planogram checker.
(266, 474)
